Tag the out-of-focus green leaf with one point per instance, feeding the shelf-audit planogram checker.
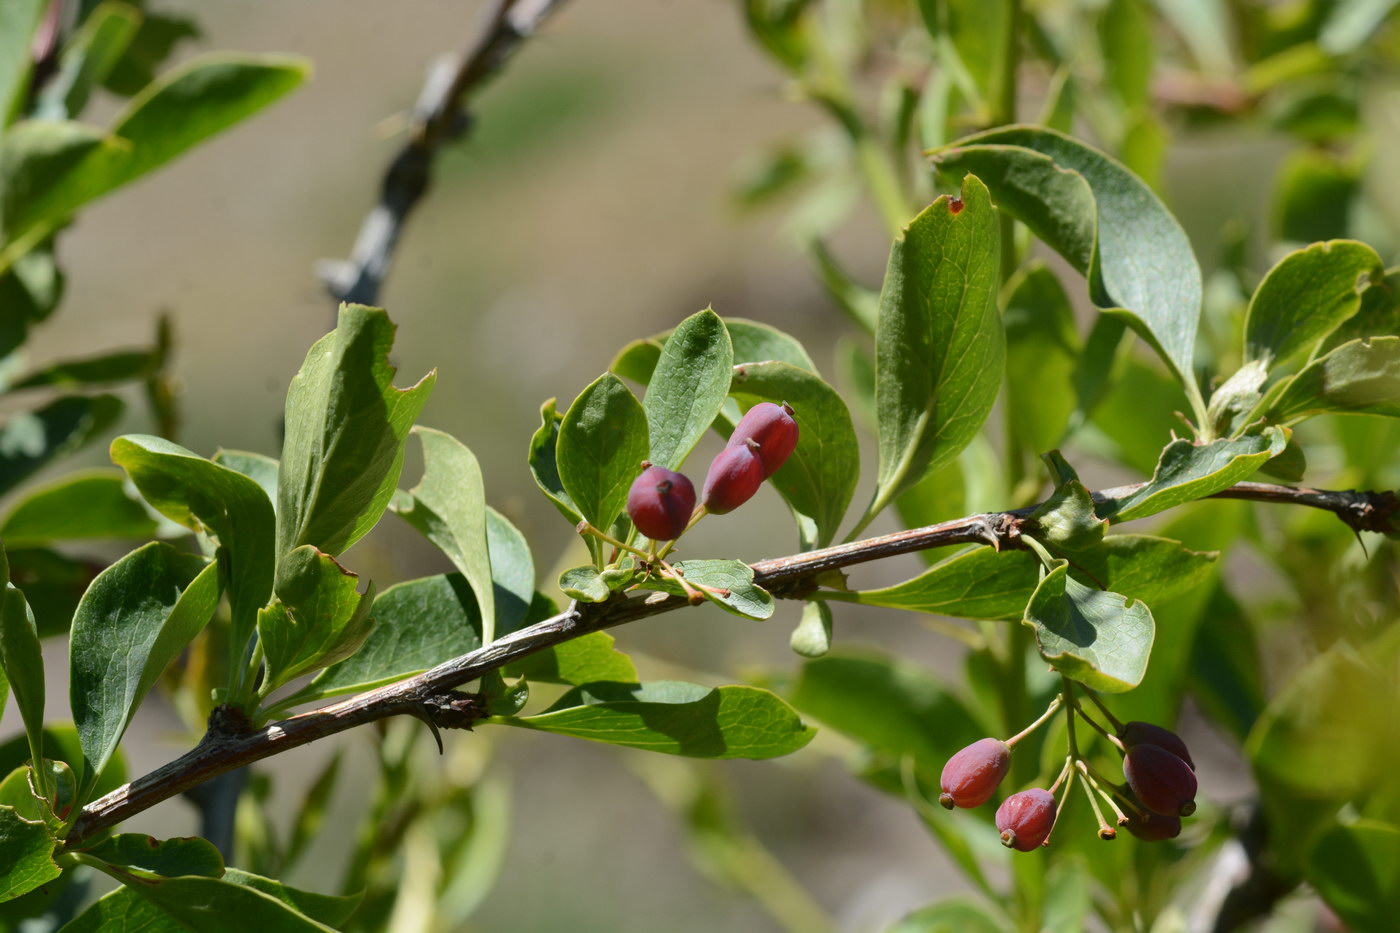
(1096, 637)
(345, 429)
(1378, 316)
(743, 597)
(1186, 472)
(544, 467)
(29, 291)
(1361, 377)
(686, 390)
(1351, 22)
(1356, 869)
(154, 42)
(23, 663)
(860, 304)
(676, 718)
(637, 361)
(135, 618)
(973, 43)
(31, 439)
(1226, 672)
(812, 637)
(26, 855)
(1205, 27)
(195, 902)
(1305, 296)
(939, 347)
(1042, 349)
(320, 617)
(449, 507)
(603, 440)
(1129, 50)
(953, 915)
(186, 855)
(578, 661)
(88, 58)
(52, 583)
(88, 504)
(1103, 220)
(18, 20)
(1314, 196)
(121, 366)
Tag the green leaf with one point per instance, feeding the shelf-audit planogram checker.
(1126, 41)
(345, 430)
(1067, 518)
(745, 598)
(1042, 350)
(954, 915)
(88, 58)
(80, 506)
(637, 361)
(687, 388)
(50, 168)
(1099, 638)
(154, 42)
(512, 573)
(860, 304)
(449, 507)
(135, 618)
(1204, 25)
(1104, 220)
(23, 662)
(1356, 870)
(676, 718)
(52, 583)
(203, 496)
(756, 342)
(31, 439)
(1350, 24)
(18, 21)
(260, 468)
(29, 291)
(1360, 377)
(602, 442)
(1187, 472)
(121, 366)
(137, 852)
(939, 347)
(1315, 194)
(210, 905)
(584, 660)
(812, 637)
(820, 477)
(994, 585)
(26, 855)
(1305, 296)
(419, 624)
(586, 584)
(973, 41)
(320, 617)
(544, 467)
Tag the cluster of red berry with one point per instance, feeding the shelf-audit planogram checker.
(661, 502)
(1160, 786)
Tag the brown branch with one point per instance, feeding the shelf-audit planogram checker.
(440, 115)
(429, 695)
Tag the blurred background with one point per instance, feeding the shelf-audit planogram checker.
(593, 203)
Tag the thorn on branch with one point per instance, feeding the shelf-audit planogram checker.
(228, 721)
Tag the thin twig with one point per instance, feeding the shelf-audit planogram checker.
(440, 115)
(428, 695)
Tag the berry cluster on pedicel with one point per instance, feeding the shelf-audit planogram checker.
(1159, 787)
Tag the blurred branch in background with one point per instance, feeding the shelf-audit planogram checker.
(441, 114)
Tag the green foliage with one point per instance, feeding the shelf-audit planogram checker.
(1307, 295)
(686, 388)
(86, 504)
(319, 618)
(26, 854)
(1097, 637)
(602, 443)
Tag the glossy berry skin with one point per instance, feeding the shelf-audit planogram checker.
(1145, 733)
(1163, 782)
(1025, 819)
(1153, 827)
(735, 475)
(660, 502)
(971, 776)
(773, 428)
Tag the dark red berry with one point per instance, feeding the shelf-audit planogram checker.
(734, 477)
(1025, 819)
(1152, 827)
(660, 502)
(1163, 782)
(1145, 733)
(772, 427)
(971, 776)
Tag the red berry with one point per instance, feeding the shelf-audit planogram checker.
(1025, 819)
(1145, 733)
(772, 427)
(971, 776)
(1152, 827)
(1163, 782)
(734, 477)
(660, 502)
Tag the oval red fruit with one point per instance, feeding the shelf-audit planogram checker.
(1153, 827)
(1163, 782)
(734, 477)
(1145, 733)
(773, 428)
(1025, 819)
(660, 502)
(971, 776)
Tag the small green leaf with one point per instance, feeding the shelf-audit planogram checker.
(202, 495)
(88, 58)
(544, 466)
(954, 915)
(860, 304)
(1067, 518)
(1305, 296)
(259, 468)
(820, 477)
(345, 430)
(18, 20)
(939, 348)
(745, 598)
(418, 624)
(134, 619)
(449, 507)
(512, 572)
(187, 855)
(31, 439)
(80, 506)
(1129, 49)
(121, 366)
(154, 43)
(210, 905)
(602, 442)
(1103, 220)
(1360, 377)
(586, 584)
(30, 289)
(1235, 398)
(26, 855)
(756, 342)
(52, 583)
(637, 361)
(584, 660)
(687, 388)
(320, 617)
(23, 663)
(812, 637)
(1187, 472)
(49, 168)
(1099, 638)
(1356, 870)
(676, 718)
(1042, 350)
